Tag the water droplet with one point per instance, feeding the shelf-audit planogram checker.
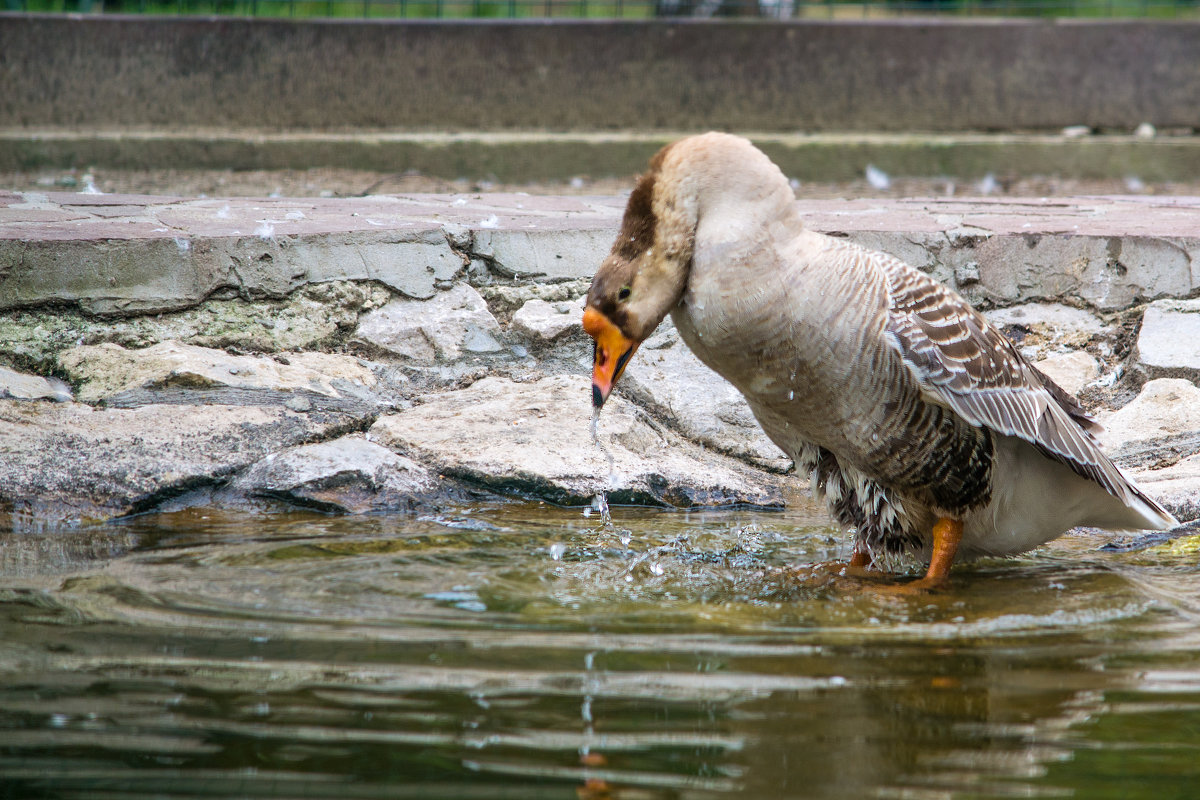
(471, 605)
(557, 549)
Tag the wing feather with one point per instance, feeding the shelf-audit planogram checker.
(959, 360)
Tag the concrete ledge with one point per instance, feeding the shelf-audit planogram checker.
(522, 156)
(904, 75)
(126, 255)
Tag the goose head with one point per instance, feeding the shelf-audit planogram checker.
(714, 181)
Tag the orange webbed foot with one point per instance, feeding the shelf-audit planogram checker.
(857, 568)
(947, 533)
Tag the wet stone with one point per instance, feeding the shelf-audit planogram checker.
(533, 440)
(305, 320)
(70, 462)
(1041, 329)
(347, 475)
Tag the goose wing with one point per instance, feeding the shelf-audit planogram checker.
(960, 361)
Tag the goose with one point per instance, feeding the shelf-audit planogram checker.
(922, 427)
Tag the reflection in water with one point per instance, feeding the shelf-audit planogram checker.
(524, 651)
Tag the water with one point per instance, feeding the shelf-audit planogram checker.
(525, 651)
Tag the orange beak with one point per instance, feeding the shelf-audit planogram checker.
(612, 353)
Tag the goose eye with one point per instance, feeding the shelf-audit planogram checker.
(624, 293)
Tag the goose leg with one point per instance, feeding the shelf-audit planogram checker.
(860, 558)
(859, 565)
(947, 533)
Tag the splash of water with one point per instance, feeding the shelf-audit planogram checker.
(600, 503)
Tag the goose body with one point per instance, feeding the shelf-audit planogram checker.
(921, 425)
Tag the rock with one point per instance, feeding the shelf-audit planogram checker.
(443, 328)
(412, 263)
(1072, 370)
(1166, 407)
(504, 299)
(22, 386)
(149, 269)
(555, 254)
(1110, 273)
(348, 475)
(545, 322)
(1040, 328)
(70, 462)
(1177, 487)
(1056, 319)
(534, 440)
(1156, 438)
(301, 404)
(668, 380)
(303, 321)
(1168, 344)
(109, 369)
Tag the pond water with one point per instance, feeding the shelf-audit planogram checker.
(516, 650)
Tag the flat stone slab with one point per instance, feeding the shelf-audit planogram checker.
(105, 370)
(1164, 408)
(70, 463)
(532, 440)
(1168, 344)
(113, 254)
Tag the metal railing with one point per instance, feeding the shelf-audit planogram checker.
(626, 9)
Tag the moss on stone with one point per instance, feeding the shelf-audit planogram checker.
(313, 317)
(1185, 546)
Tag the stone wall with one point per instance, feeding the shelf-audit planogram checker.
(409, 352)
